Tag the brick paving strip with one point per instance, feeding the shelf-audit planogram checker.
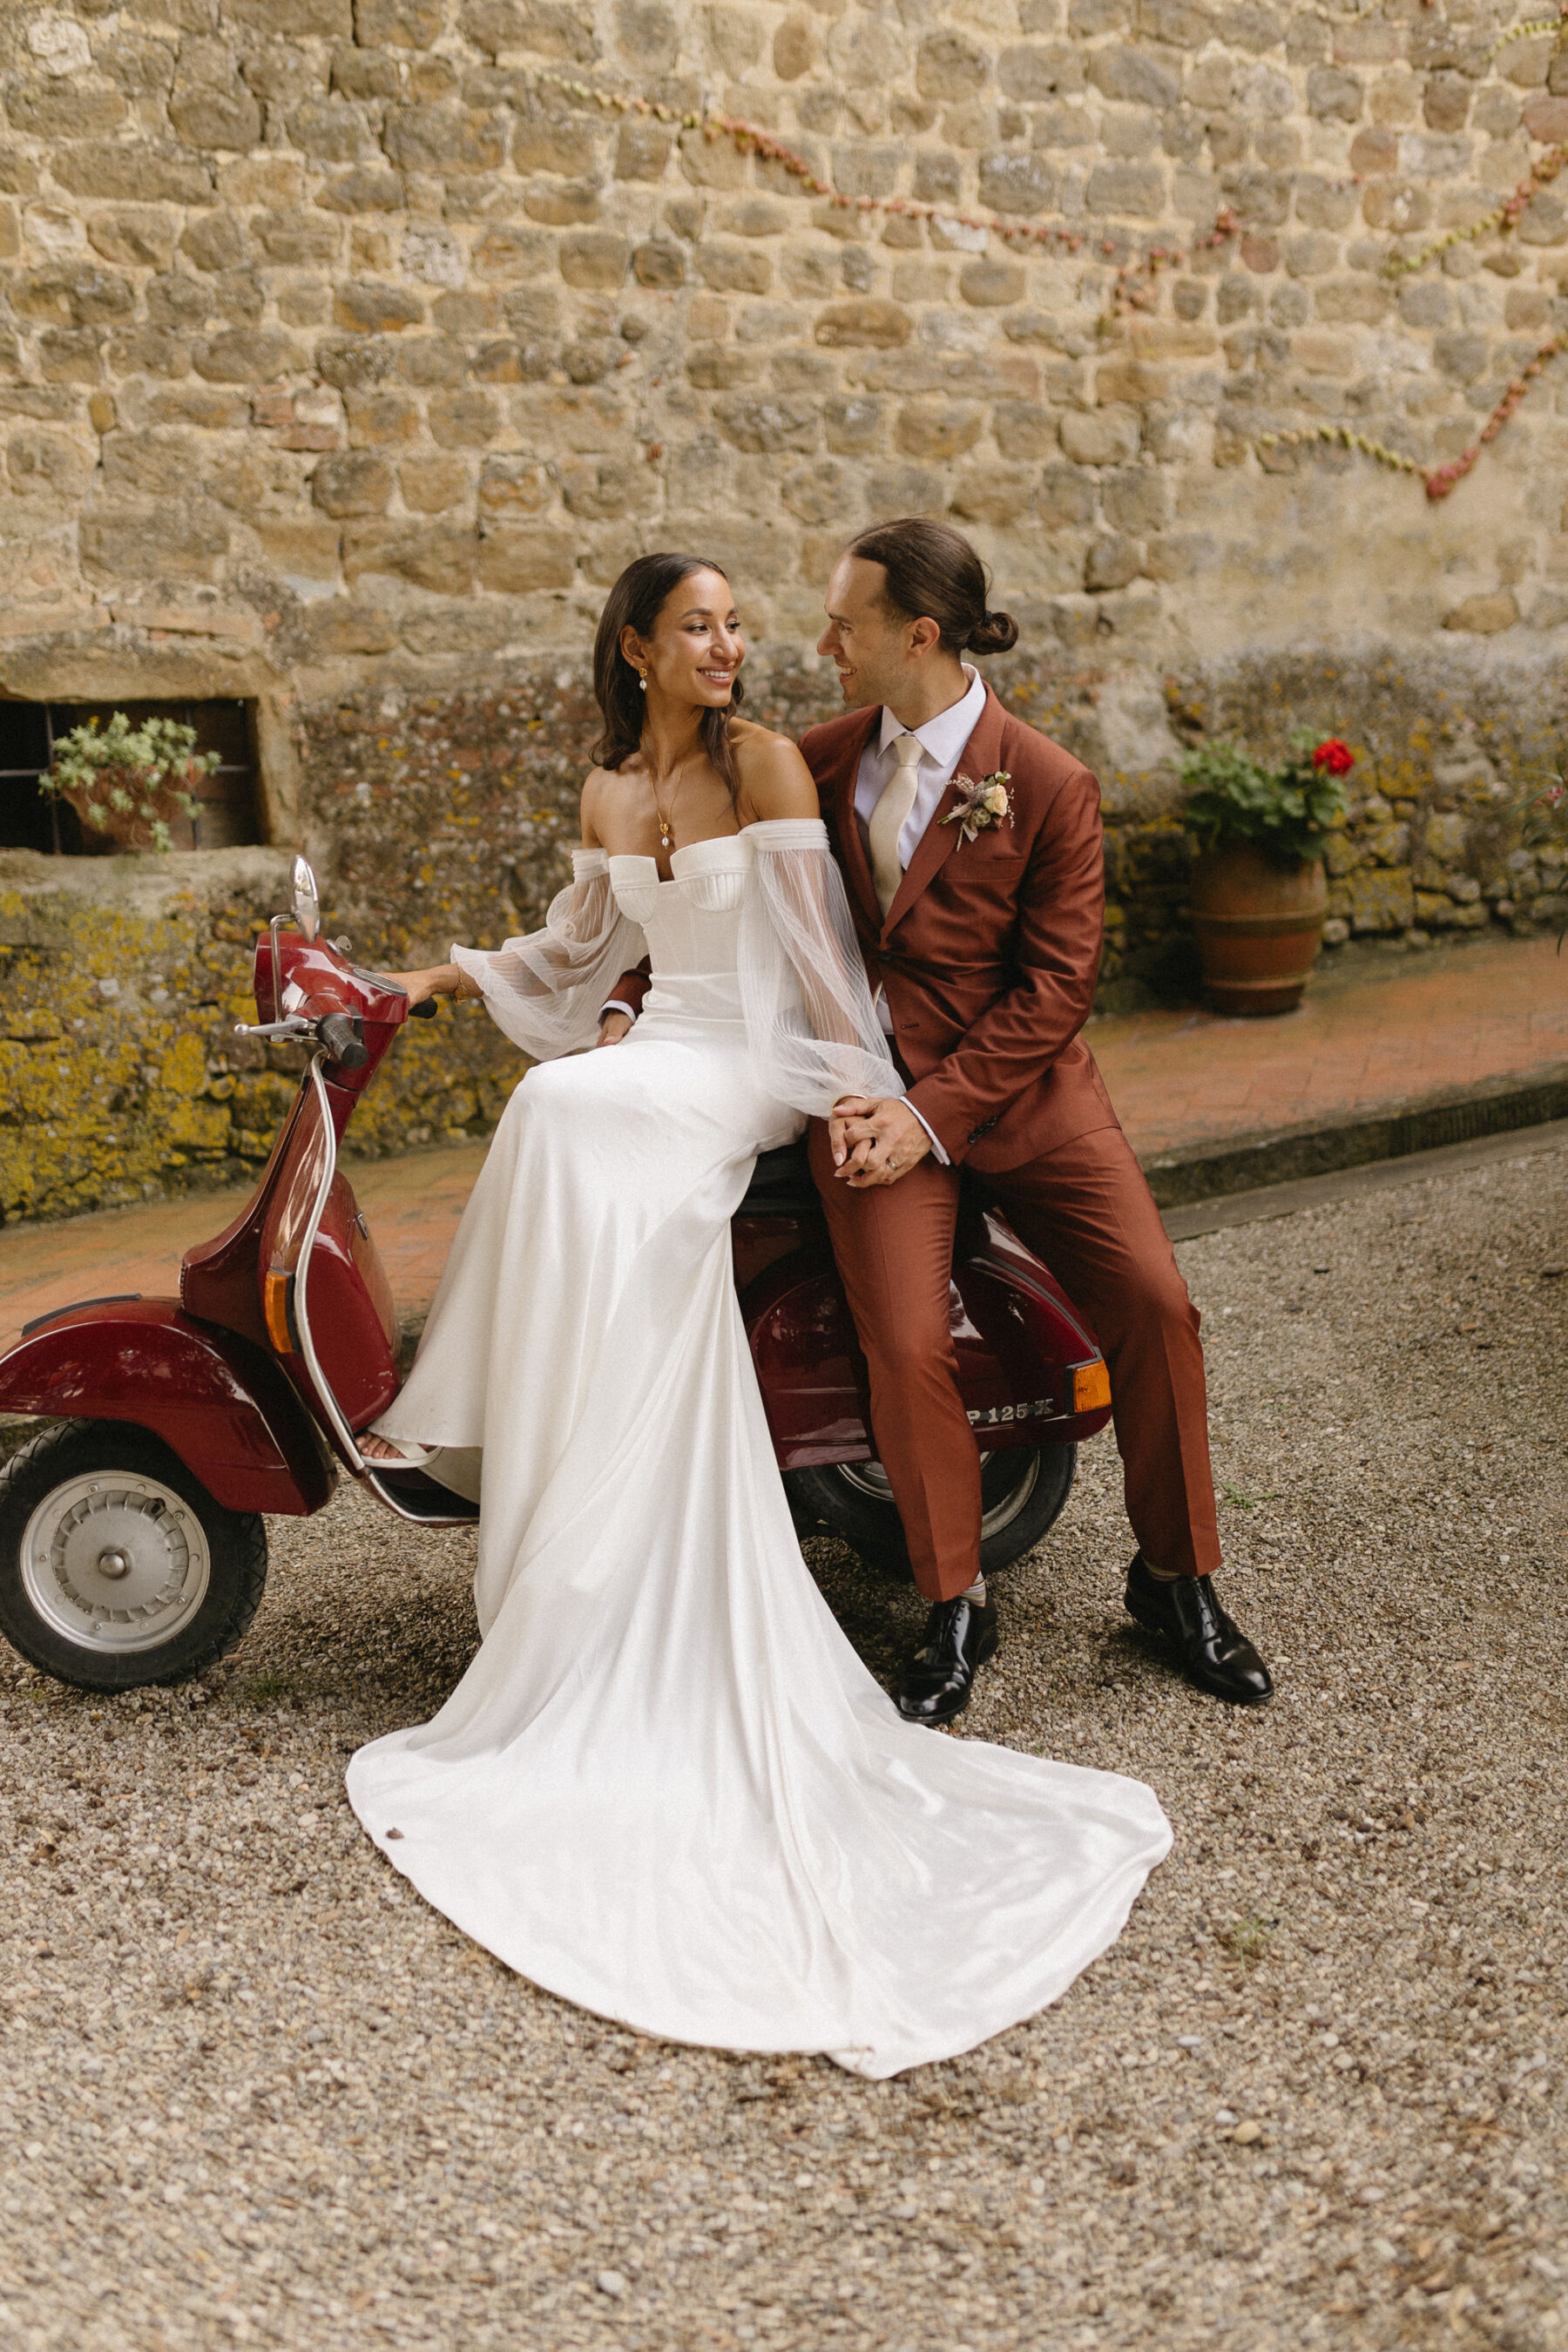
(1387, 1056)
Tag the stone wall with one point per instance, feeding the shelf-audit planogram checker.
(349, 347)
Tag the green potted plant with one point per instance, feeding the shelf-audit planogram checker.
(128, 784)
(1258, 891)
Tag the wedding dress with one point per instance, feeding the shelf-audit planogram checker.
(667, 1788)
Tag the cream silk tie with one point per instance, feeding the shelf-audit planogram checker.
(888, 819)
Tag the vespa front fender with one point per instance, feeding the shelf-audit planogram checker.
(216, 1400)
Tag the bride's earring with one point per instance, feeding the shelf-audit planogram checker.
(642, 682)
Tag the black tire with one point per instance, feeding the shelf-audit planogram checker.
(187, 1575)
(1022, 1491)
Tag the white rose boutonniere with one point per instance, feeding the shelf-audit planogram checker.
(981, 804)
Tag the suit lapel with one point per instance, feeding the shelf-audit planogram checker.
(838, 788)
(981, 756)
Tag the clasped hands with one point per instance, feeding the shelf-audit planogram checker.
(874, 1141)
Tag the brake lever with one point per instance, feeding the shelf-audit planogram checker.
(295, 1026)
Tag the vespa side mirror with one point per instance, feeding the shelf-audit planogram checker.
(307, 899)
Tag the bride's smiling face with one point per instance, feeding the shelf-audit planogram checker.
(696, 647)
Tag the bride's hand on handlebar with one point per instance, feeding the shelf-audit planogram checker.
(441, 980)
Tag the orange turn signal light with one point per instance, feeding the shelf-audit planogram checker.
(277, 1301)
(1091, 1387)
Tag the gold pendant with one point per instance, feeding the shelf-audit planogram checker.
(664, 841)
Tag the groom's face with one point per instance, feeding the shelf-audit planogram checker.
(867, 644)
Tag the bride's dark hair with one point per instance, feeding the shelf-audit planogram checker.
(634, 602)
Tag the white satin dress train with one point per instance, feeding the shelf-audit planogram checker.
(666, 1788)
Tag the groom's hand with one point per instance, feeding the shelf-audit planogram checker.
(874, 1142)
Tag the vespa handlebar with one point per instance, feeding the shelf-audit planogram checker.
(339, 1032)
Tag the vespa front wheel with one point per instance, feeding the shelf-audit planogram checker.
(117, 1568)
(1023, 1491)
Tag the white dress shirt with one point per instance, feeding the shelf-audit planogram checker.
(941, 741)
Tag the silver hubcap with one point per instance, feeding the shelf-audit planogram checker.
(117, 1561)
(870, 1478)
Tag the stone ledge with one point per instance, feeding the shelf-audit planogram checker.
(1247, 1163)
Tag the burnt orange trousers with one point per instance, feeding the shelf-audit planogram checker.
(1086, 1210)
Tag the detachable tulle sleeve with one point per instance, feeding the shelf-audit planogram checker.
(809, 1017)
(547, 991)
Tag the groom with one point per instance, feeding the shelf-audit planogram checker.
(983, 946)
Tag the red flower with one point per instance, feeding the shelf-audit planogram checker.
(1337, 757)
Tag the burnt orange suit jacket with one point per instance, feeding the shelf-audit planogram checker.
(990, 951)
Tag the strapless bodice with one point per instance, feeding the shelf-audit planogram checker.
(691, 922)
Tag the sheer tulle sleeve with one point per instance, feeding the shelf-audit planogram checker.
(803, 991)
(547, 991)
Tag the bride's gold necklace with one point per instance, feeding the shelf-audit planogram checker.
(667, 824)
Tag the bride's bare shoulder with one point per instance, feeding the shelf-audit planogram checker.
(603, 790)
(774, 781)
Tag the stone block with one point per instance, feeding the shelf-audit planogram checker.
(998, 494)
(1132, 76)
(760, 424)
(543, 27)
(372, 189)
(950, 67)
(1129, 382)
(442, 557)
(853, 428)
(337, 626)
(516, 562)
(367, 309)
(1138, 189)
(506, 255)
(300, 547)
(334, 129)
(659, 263)
(353, 482)
(607, 489)
(1098, 436)
(795, 48)
(1064, 499)
(397, 23)
(247, 355)
(138, 172)
(49, 463)
(1136, 499)
(1020, 184)
(1484, 615)
(510, 487)
(713, 162)
(152, 465)
(1380, 899)
(993, 283)
(937, 431)
(1023, 428)
(136, 237)
(1353, 301)
(1335, 95)
(1112, 561)
(119, 547)
(467, 419)
(440, 138)
(864, 325)
(733, 268)
(595, 261)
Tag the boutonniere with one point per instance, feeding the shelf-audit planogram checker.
(981, 804)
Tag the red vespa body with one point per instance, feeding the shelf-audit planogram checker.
(131, 1543)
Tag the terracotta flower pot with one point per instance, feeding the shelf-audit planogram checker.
(125, 828)
(1259, 927)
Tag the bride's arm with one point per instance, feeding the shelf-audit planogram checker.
(807, 1002)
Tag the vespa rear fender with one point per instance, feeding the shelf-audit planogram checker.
(1025, 1355)
(217, 1402)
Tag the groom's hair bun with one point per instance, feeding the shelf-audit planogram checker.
(934, 574)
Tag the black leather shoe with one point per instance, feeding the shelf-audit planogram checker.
(935, 1685)
(1214, 1651)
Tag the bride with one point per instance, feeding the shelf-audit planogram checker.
(666, 1788)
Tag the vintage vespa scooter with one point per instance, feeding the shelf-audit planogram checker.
(132, 1548)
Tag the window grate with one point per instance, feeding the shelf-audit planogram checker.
(30, 819)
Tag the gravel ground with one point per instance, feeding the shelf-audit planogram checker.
(253, 2092)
